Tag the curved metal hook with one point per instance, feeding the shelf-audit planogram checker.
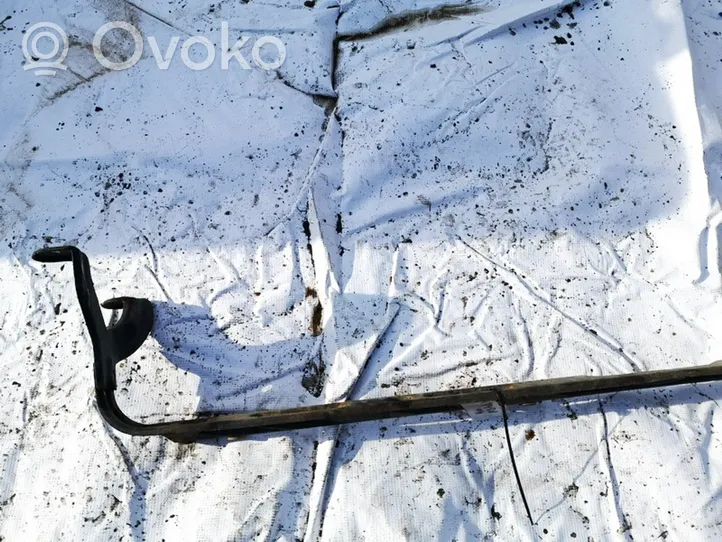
(111, 344)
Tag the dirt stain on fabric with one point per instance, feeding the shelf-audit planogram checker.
(316, 327)
(314, 376)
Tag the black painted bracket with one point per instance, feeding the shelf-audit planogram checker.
(114, 343)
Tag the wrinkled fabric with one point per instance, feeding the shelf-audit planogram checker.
(425, 196)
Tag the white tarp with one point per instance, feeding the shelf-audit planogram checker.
(424, 196)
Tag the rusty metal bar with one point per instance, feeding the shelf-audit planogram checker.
(111, 344)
